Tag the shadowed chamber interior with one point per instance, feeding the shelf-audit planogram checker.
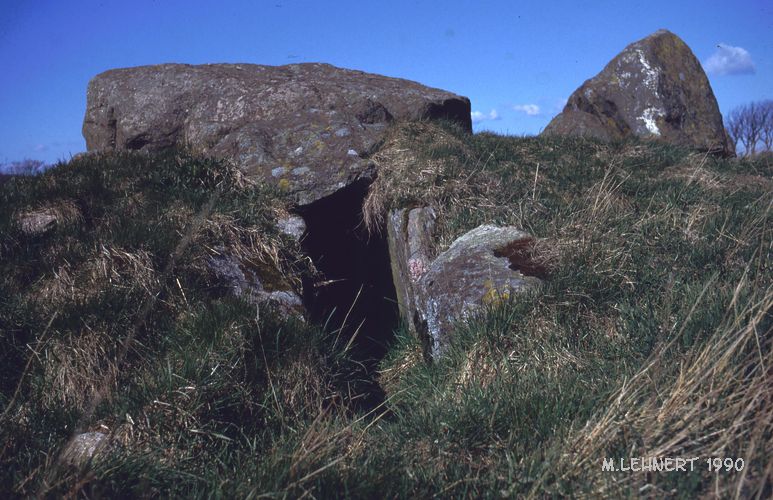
(356, 271)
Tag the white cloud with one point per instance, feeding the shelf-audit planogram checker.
(478, 117)
(729, 60)
(529, 109)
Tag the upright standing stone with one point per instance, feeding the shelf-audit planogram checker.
(654, 88)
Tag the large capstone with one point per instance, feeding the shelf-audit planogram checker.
(306, 128)
(655, 88)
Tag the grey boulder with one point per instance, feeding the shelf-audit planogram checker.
(243, 280)
(484, 266)
(44, 218)
(37, 222)
(84, 447)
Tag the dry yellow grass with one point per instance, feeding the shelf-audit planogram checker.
(719, 404)
(409, 173)
(108, 268)
(75, 367)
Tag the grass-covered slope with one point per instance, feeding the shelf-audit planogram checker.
(651, 336)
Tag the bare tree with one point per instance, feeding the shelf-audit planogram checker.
(735, 124)
(766, 135)
(752, 126)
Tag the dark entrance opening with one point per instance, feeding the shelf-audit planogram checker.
(356, 297)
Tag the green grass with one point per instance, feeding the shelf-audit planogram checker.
(651, 337)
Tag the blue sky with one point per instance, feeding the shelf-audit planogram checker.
(516, 61)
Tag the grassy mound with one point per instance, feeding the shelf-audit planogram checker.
(651, 338)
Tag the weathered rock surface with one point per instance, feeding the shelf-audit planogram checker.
(84, 447)
(292, 225)
(242, 281)
(409, 236)
(483, 266)
(655, 87)
(37, 222)
(308, 128)
(45, 218)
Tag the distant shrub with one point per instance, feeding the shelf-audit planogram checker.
(24, 167)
